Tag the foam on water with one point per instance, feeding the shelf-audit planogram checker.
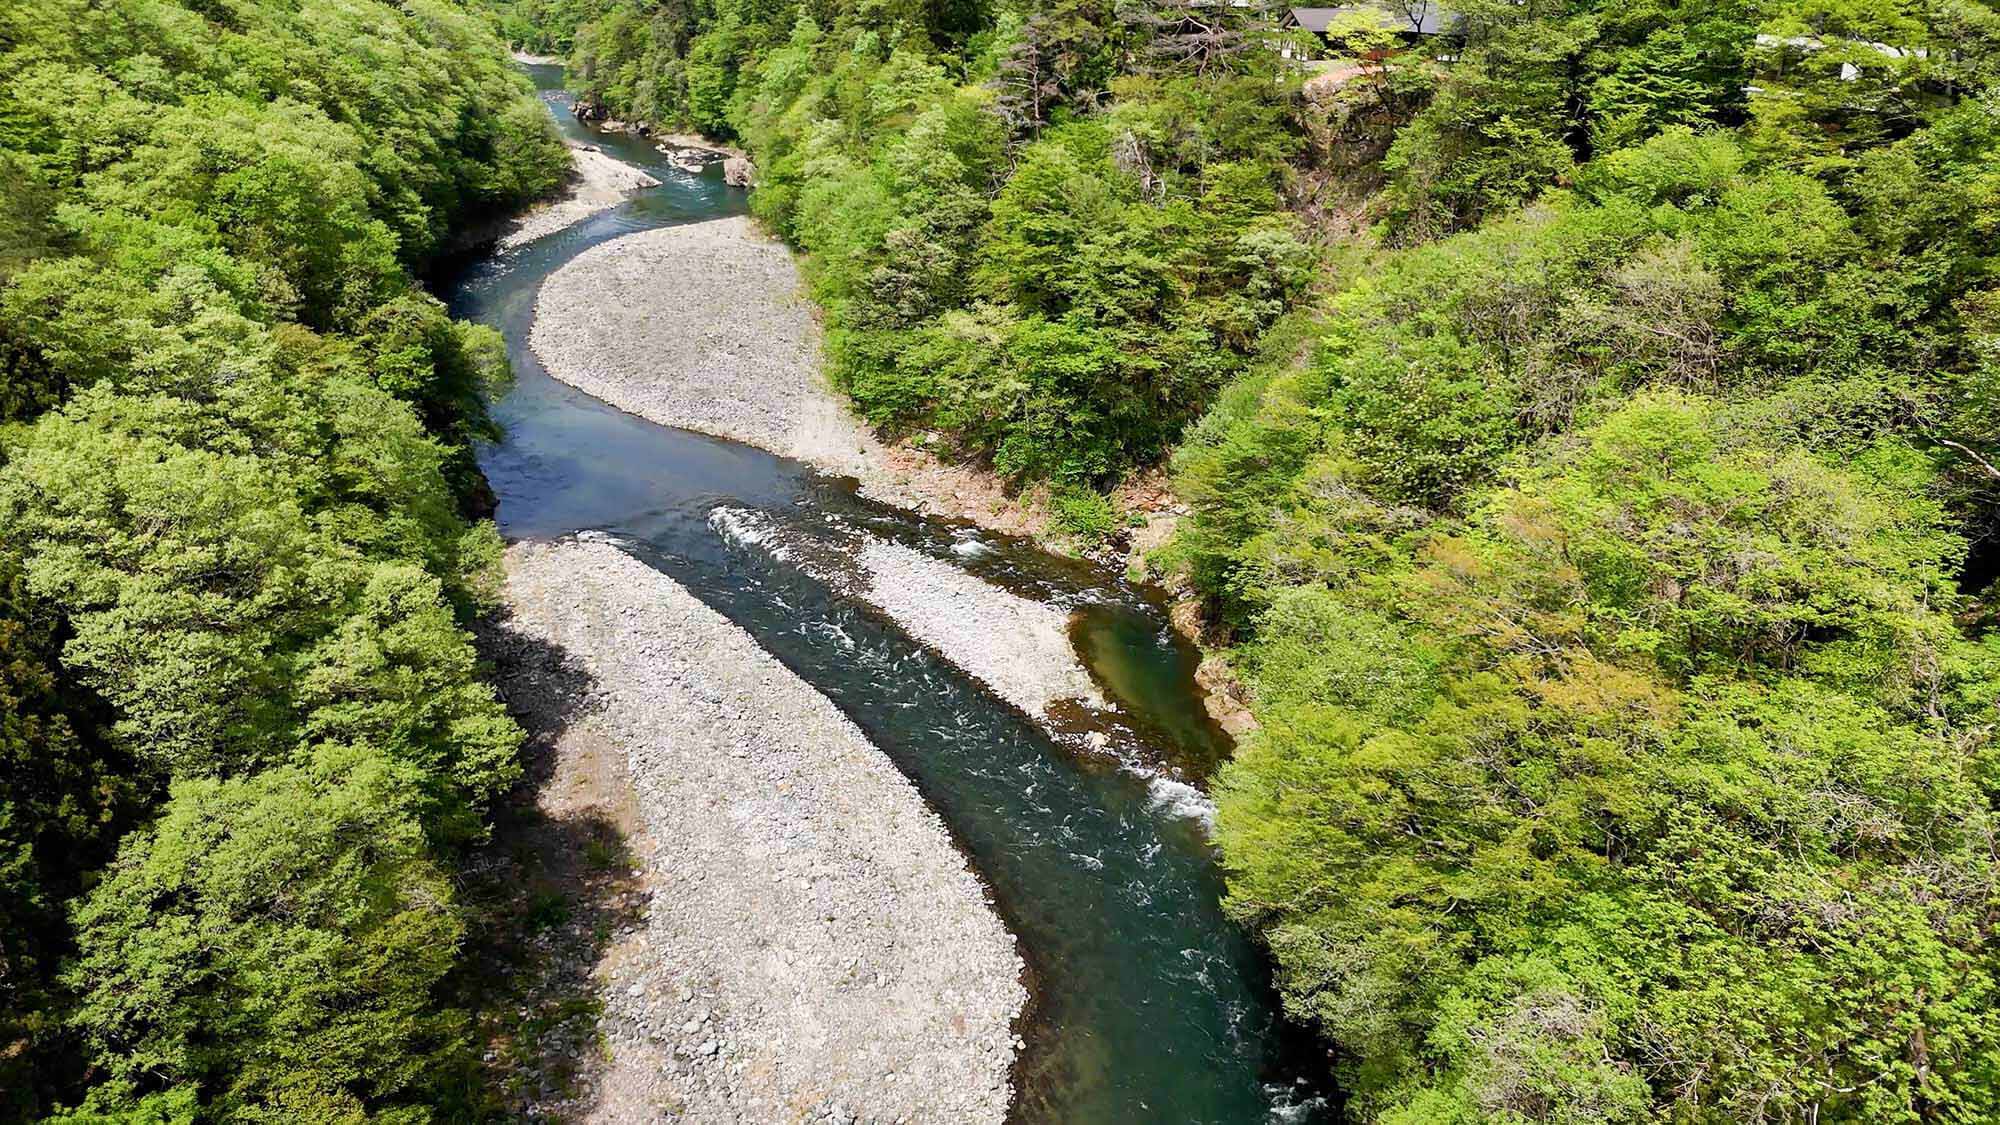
(745, 528)
(1179, 799)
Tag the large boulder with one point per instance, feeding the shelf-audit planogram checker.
(737, 171)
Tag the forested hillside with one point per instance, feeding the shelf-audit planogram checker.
(1587, 418)
(1612, 579)
(241, 731)
(1596, 484)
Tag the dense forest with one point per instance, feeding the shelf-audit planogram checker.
(242, 731)
(1611, 574)
(1587, 419)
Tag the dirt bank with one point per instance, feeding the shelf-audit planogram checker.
(812, 947)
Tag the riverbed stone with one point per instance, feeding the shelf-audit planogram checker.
(705, 326)
(768, 993)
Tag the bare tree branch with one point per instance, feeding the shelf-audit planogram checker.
(1968, 451)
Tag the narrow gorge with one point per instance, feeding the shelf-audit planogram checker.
(969, 858)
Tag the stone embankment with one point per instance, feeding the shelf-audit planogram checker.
(814, 948)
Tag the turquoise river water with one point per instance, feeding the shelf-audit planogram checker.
(1149, 1004)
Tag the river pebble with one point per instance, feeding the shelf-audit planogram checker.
(704, 326)
(810, 927)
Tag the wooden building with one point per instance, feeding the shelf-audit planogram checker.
(1410, 21)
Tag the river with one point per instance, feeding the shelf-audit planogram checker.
(1149, 1003)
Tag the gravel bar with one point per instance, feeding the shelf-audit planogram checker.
(704, 326)
(1019, 647)
(815, 947)
(700, 326)
(597, 183)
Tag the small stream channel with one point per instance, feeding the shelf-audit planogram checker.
(1149, 1004)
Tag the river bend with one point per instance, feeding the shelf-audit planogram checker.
(1149, 1003)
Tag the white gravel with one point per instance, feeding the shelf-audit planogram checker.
(816, 948)
(1019, 647)
(700, 326)
(597, 183)
(704, 326)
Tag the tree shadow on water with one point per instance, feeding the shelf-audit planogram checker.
(550, 892)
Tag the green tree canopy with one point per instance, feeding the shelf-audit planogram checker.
(234, 560)
(274, 942)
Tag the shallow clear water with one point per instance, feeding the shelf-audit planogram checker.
(1150, 1005)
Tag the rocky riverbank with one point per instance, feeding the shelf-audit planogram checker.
(597, 183)
(811, 947)
(1018, 647)
(737, 169)
(705, 327)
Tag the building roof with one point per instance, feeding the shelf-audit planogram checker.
(1424, 17)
